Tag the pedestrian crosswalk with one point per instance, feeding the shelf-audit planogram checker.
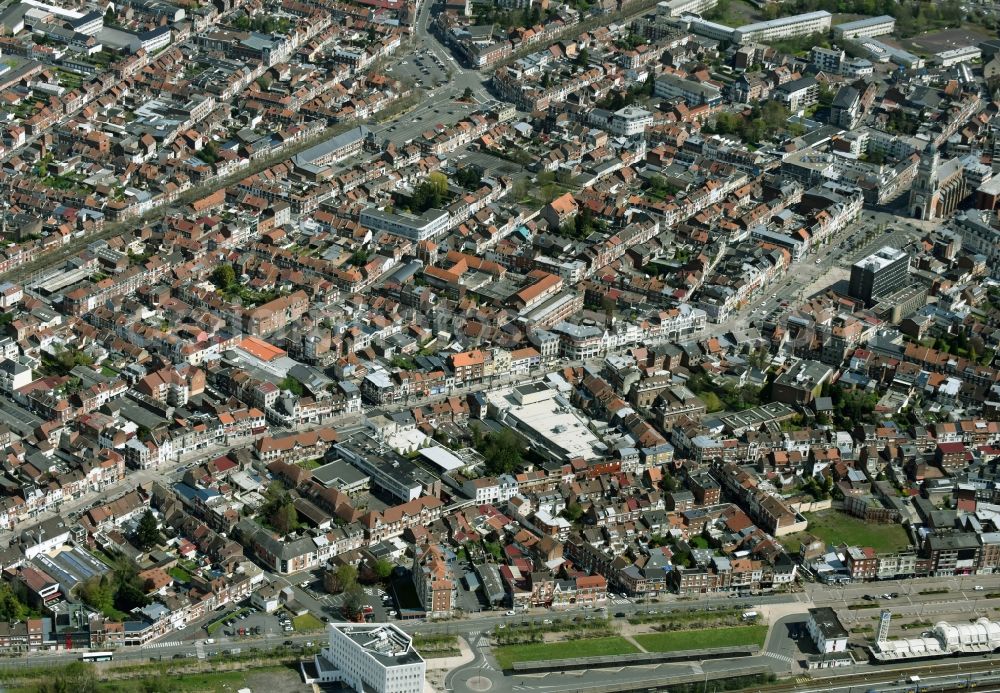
(162, 644)
(199, 648)
(780, 657)
(617, 601)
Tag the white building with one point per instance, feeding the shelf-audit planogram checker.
(963, 54)
(630, 121)
(872, 26)
(826, 630)
(370, 658)
(431, 223)
(675, 8)
(13, 375)
(490, 489)
(668, 86)
(784, 27)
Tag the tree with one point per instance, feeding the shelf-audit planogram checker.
(11, 607)
(284, 517)
(503, 451)
(467, 94)
(469, 177)
(147, 533)
(669, 483)
(712, 401)
(224, 276)
(292, 385)
(583, 57)
(573, 512)
(826, 94)
(353, 602)
(439, 183)
(131, 595)
(343, 578)
(97, 592)
(383, 569)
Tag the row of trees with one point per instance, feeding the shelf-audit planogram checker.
(763, 123)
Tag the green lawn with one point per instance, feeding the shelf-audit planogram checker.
(701, 639)
(310, 464)
(178, 573)
(836, 527)
(307, 622)
(535, 652)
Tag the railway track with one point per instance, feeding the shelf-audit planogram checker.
(956, 674)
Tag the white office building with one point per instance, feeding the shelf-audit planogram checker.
(370, 658)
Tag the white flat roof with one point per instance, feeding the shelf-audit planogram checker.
(442, 457)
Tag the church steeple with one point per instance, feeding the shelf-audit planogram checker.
(927, 170)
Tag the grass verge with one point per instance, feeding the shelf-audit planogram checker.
(307, 622)
(537, 652)
(702, 639)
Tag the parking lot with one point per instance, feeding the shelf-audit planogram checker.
(309, 592)
(424, 118)
(425, 70)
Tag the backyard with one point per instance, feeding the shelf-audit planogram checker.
(835, 527)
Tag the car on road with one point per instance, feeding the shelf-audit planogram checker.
(501, 626)
(510, 613)
(547, 621)
(620, 614)
(978, 588)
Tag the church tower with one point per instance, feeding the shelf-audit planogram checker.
(925, 190)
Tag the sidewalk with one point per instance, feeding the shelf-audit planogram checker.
(449, 663)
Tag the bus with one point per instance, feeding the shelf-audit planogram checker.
(96, 656)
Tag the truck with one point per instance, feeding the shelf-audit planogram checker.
(749, 615)
(913, 679)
